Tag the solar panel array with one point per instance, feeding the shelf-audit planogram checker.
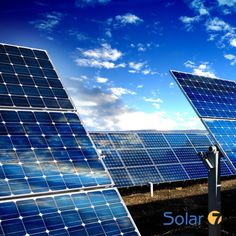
(137, 158)
(214, 100)
(47, 157)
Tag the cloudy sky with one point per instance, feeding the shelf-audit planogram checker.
(114, 56)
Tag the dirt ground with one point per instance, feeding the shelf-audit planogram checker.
(148, 212)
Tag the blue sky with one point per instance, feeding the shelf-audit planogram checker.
(114, 56)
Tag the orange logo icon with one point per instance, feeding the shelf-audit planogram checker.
(214, 217)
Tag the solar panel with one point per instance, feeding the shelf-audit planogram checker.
(152, 156)
(214, 101)
(47, 157)
(45, 151)
(100, 212)
(29, 80)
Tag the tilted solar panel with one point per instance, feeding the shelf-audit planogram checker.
(46, 151)
(28, 79)
(137, 158)
(47, 159)
(99, 212)
(214, 100)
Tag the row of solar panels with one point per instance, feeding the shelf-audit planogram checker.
(214, 101)
(47, 159)
(137, 158)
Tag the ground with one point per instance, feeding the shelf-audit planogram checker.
(178, 198)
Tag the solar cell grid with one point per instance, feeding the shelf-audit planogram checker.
(28, 79)
(160, 150)
(141, 175)
(214, 101)
(36, 155)
(111, 159)
(121, 177)
(102, 141)
(210, 97)
(153, 140)
(129, 157)
(89, 213)
(125, 140)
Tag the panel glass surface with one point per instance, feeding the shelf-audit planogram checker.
(125, 140)
(141, 175)
(121, 177)
(83, 214)
(213, 99)
(136, 166)
(28, 79)
(46, 151)
(224, 131)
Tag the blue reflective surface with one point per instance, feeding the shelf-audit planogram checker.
(153, 155)
(211, 97)
(30, 80)
(35, 155)
(90, 213)
(214, 101)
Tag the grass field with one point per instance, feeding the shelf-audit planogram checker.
(148, 212)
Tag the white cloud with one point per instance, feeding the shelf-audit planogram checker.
(202, 69)
(128, 18)
(223, 32)
(140, 67)
(229, 3)
(118, 92)
(85, 62)
(231, 58)
(86, 3)
(140, 86)
(233, 42)
(189, 64)
(217, 24)
(103, 57)
(171, 85)
(105, 52)
(102, 110)
(48, 22)
(199, 7)
(136, 66)
(101, 79)
(136, 120)
(156, 102)
(123, 20)
(189, 21)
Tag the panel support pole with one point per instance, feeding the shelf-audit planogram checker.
(151, 189)
(211, 160)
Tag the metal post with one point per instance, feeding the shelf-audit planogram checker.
(151, 189)
(212, 161)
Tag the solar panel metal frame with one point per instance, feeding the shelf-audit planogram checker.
(203, 118)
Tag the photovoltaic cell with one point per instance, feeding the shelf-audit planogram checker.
(44, 151)
(155, 155)
(214, 101)
(89, 213)
(28, 79)
(224, 131)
